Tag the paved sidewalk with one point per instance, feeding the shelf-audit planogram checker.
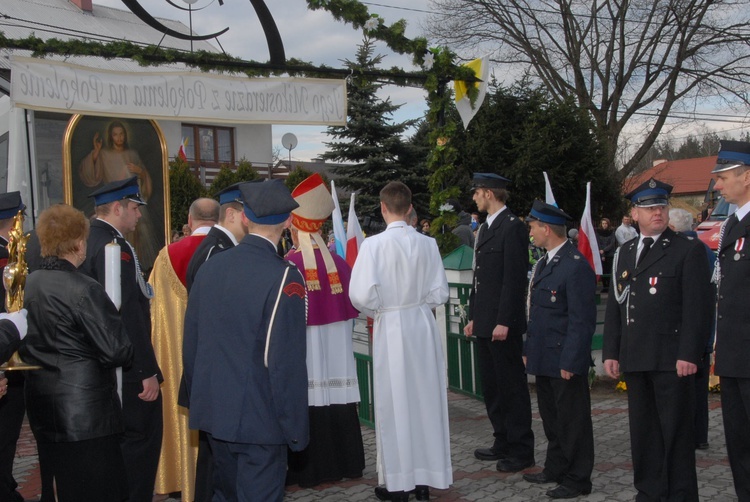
(475, 480)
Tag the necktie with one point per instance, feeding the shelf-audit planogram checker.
(647, 242)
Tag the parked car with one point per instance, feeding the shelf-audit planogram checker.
(708, 230)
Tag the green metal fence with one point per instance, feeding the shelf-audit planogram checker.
(364, 376)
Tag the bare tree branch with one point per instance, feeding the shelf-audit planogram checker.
(617, 58)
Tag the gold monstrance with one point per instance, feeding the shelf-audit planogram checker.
(14, 279)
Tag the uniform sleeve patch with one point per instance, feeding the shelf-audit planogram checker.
(125, 256)
(294, 288)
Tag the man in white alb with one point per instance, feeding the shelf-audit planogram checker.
(398, 279)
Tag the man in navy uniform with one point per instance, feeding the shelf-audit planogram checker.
(224, 235)
(562, 321)
(244, 362)
(117, 213)
(497, 319)
(656, 328)
(733, 316)
(12, 406)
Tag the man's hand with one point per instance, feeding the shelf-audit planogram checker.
(685, 368)
(500, 333)
(469, 329)
(566, 375)
(612, 367)
(150, 389)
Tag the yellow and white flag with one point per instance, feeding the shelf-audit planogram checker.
(481, 69)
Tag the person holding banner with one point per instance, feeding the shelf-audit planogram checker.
(335, 450)
(117, 213)
(77, 337)
(12, 405)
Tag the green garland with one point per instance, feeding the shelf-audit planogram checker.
(438, 64)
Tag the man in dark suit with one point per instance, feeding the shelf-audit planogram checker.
(562, 321)
(498, 321)
(117, 213)
(12, 406)
(244, 362)
(223, 236)
(656, 327)
(733, 320)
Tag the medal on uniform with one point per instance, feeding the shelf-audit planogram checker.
(738, 247)
(652, 281)
(554, 298)
(619, 287)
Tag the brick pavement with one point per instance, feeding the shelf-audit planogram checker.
(475, 480)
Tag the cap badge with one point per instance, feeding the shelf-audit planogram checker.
(652, 183)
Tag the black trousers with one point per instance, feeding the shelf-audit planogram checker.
(701, 400)
(735, 406)
(248, 471)
(661, 409)
(92, 469)
(204, 470)
(141, 442)
(12, 409)
(565, 408)
(506, 396)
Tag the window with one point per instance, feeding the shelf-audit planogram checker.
(208, 146)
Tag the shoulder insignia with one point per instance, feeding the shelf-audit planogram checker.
(576, 257)
(690, 237)
(512, 218)
(294, 289)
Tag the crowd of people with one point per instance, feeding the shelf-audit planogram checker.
(230, 374)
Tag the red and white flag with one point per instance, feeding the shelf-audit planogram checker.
(181, 152)
(354, 235)
(587, 244)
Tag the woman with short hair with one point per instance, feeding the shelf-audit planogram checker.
(76, 335)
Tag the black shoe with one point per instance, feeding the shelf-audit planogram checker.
(422, 492)
(701, 446)
(566, 492)
(540, 478)
(382, 493)
(488, 454)
(513, 464)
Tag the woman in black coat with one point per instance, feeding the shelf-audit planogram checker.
(76, 336)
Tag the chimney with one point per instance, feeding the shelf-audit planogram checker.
(84, 5)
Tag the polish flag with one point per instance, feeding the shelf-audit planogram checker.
(181, 151)
(587, 244)
(354, 235)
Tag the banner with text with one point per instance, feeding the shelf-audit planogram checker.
(186, 96)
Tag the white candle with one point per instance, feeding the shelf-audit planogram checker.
(114, 290)
(112, 273)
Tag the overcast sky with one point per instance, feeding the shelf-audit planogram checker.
(313, 36)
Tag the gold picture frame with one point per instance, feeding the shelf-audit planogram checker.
(98, 150)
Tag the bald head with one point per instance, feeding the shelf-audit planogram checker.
(204, 212)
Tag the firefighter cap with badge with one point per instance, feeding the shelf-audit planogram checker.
(650, 193)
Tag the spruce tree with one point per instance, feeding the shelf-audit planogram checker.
(370, 145)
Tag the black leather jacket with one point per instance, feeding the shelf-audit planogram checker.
(77, 336)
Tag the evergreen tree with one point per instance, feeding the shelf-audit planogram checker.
(370, 144)
(184, 188)
(519, 132)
